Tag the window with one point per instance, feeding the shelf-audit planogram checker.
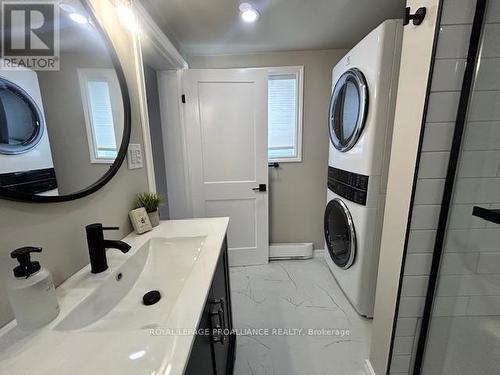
(285, 114)
(101, 97)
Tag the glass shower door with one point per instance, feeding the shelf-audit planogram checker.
(463, 336)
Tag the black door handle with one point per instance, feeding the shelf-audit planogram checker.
(261, 188)
(487, 214)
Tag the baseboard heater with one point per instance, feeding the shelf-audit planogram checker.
(278, 251)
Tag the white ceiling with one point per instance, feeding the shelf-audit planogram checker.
(203, 27)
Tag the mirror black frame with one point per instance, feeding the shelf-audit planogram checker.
(127, 129)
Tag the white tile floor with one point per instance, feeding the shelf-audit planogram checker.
(302, 295)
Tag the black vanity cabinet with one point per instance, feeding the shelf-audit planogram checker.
(213, 354)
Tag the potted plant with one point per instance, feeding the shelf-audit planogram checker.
(151, 202)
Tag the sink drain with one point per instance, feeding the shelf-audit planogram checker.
(152, 297)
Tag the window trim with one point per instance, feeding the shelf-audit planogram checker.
(84, 75)
(298, 72)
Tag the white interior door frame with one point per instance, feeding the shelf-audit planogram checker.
(174, 141)
(158, 44)
(151, 40)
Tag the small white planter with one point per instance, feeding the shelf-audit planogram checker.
(154, 217)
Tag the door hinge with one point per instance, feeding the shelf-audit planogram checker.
(183, 98)
(417, 17)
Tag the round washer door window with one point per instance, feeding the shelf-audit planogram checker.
(340, 234)
(21, 122)
(348, 109)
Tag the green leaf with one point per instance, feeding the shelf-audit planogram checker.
(150, 201)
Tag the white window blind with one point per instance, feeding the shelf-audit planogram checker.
(101, 113)
(103, 110)
(284, 126)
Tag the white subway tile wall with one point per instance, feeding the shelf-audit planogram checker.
(458, 12)
(464, 247)
(484, 106)
(406, 327)
(493, 14)
(491, 47)
(429, 191)
(421, 241)
(482, 135)
(400, 364)
(449, 75)
(433, 164)
(443, 106)
(414, 286)
(488, 263)
(453, 41)
(404, 345)
(417, 264)
(450, 306)
(439, 136)
(488, 75)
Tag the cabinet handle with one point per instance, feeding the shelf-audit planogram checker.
(220, 325)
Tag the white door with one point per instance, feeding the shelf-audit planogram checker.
(226, 137)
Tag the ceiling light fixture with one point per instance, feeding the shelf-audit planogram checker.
(248, 13)
(78, 18)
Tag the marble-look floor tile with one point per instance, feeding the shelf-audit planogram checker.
(300, 295)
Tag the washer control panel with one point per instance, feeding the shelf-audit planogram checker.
(348, 185)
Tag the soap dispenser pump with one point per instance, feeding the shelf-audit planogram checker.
(32, 294)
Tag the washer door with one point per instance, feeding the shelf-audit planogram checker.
(348, 109)
(340, 234)
(21, 122)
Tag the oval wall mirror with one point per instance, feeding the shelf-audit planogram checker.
(64, 118)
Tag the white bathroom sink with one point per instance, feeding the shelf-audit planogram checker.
(103, 326)
(161, 264)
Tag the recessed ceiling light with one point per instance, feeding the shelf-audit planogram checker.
(78, 18)
(248, 13)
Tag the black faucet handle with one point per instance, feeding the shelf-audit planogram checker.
(99, 227)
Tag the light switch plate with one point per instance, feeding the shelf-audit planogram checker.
(134, 156)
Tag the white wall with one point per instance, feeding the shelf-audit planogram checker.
(59, 228)
(411, 97)
(298, 190)
(68, 139)
(471, 243)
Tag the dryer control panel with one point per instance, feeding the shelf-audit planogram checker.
(348, 185)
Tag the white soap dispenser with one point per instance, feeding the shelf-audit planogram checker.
(32, 294)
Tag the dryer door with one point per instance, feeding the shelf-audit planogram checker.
(340, 234)
(21, 122)
(348, 109)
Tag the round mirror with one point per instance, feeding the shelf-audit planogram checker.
(348, 109)
(65, 113)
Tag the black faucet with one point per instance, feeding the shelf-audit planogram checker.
(98, 245)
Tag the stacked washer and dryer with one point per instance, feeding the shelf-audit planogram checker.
(361, 122)
(26, 163)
